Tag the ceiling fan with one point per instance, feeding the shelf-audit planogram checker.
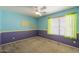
(40, 10)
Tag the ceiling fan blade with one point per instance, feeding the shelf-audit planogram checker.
(43, 12)
(43, 8)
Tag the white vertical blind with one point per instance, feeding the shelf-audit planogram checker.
(65, 26)
(71, 25)
(55, 26)
(62, 25)
(68, 26)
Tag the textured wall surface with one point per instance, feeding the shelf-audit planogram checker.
(0, 19)
(0, 24)
(58, 38)
(8, 37)
(12, 21)
(43, 21)
(43, 26)
(15, 26)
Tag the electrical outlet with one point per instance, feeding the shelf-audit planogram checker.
(74, 41)
(13, 37)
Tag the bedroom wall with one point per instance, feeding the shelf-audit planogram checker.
(43, 26)
(0, 25)
(16, 26)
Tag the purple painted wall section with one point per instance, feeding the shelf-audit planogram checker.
(14, 36)
(7, 37)
(58, 38)
(0, 38)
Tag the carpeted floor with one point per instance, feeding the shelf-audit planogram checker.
(37, 44)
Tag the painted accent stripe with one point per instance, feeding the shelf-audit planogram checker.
(15, 31)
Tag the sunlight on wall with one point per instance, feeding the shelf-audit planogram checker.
(25, 23)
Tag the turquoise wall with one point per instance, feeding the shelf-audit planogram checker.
(12, 21)
(43, 21)
(0, 19)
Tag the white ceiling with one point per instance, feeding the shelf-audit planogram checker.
(29, 10)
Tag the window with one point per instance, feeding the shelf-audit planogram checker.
(53, 26)
(70, 25)
(64, 26)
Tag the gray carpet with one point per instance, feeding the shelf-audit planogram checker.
(37, 44)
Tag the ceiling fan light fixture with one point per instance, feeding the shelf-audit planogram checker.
(38, 13)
